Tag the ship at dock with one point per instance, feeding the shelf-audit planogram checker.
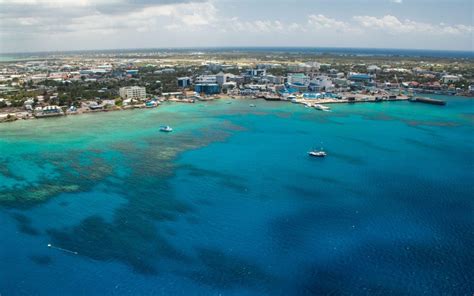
(427, 101)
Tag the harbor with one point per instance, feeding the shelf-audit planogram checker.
(148, 206)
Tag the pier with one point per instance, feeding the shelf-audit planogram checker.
(351, 99)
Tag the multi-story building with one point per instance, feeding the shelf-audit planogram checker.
(133, 92)
(208, 89)
(184, 82)
(321, 83)
(256, 72)
(205, 79)
(450, 78)
(298, 79)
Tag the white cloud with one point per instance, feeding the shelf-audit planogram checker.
(200, 22)
(256, 26)
(323, 22)
(60, 3)
(393, 25)
(176, 17)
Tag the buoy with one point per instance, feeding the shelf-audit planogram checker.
(61, 249)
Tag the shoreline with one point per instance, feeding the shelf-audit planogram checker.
(357, 98)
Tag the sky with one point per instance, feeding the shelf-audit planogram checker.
(57, 25)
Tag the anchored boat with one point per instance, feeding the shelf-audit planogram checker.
(317, 153)
(166, 128)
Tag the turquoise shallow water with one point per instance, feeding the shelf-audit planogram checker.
(229, 203)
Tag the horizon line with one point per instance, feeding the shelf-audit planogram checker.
(236, 47)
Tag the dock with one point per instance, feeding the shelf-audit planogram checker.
(351, 99)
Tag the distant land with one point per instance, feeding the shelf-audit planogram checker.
(341, 51)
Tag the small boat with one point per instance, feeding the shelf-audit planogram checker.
(166, 128)
(317, 153)
(322, 108)
(252, 105)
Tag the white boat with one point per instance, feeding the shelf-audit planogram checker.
(252, 105)
(317, 153)
(166, 128)
(322, 108)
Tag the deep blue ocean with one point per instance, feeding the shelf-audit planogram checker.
(229, 203)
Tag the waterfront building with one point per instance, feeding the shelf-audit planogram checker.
(229, 85)
(208, 89)
(321, 83)
(133, 92)
(28, 104)
(248, 92)
(48, 111)
(108, 102)
(184, 82)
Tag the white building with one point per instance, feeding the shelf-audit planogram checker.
(373, 69)
(133, 92)
(221, 78)
(321, 83)
(450, 78)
